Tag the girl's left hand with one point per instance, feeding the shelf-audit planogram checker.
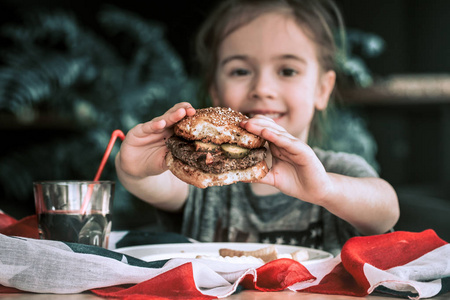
(296, 170)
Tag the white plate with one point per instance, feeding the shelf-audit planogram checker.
(191, 250)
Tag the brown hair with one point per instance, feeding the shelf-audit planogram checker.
(321, 20)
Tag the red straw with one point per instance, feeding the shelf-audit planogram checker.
(116, 133)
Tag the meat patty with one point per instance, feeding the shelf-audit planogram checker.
(212, 162)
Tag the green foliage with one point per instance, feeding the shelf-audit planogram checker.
(357, 47)
(113, 76)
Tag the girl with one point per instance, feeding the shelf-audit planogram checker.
(273, 60)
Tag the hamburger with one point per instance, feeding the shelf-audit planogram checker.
(211, 149)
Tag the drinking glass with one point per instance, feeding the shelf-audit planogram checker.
(75, 211)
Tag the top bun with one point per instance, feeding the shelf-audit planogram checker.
(217, 125)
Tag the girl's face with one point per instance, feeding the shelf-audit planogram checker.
(270, 67)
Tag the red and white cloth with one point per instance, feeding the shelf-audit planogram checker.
(414, 265)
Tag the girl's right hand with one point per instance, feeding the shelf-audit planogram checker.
(143, 151)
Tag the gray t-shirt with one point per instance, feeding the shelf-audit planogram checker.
(234, 213)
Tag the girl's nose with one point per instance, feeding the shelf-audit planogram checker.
(263, 87)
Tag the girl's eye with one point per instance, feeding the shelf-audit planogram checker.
(288, 72)
(240, 72)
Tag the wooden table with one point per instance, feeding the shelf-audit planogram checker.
(244, 295)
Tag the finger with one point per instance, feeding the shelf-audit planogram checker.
(280, 138)
(287, 148)
(267, 128)
(268, 179)
(178, 112)
(280, 154)
(168, 119)
(258, 128)
(275, 151)
(151, 127)
(185, 105)
(260, 122)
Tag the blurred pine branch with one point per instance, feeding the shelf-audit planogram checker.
(112, 77)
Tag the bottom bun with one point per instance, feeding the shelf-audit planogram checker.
(202, 180)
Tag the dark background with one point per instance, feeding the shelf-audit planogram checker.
(413, 139)
(415, 31)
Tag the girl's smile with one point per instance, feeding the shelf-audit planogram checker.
(276, 116)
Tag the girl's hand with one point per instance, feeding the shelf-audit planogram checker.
(295, 170)
(369, 204)
(143, 151)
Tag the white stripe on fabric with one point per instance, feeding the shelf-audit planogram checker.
(319, 271)
(124, 259)
(51, 267)
(432, 265)
(415, 275)
(45, 267)
(217, 278)
(377, 277)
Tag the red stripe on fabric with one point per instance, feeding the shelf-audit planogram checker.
(381, 251)
(26, 227)
(389, 250)
(8, 290)
(277, 275)
(177, 283)
(338, 282)
(6, 220)
(386, 251)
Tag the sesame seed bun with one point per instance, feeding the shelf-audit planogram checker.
(217, 125)
(212, 167)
